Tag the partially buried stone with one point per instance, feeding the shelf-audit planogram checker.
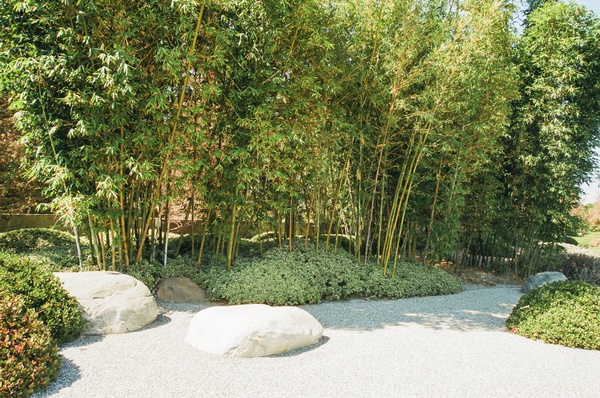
(112, 302)
(252, 330)
(179, 290)
(542, 278)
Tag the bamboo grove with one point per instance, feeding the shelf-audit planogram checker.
(409, 127)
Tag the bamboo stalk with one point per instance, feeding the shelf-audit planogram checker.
(166, 246)
(201, 250)
(278, 228)
(337, 194)
(231, 237)
(162, 176)
(312, 199)
(433, 205)
(112, 244)
(102, 254)
(187, 213)
(193, 227)
(318, 221)
(291, 224)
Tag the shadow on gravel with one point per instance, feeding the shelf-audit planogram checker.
(192, 308)
(83, 341)
(69, 374)
(299, 351)
(161, 319)
(479, 309)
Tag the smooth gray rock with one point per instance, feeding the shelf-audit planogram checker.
(252, 330)
(179, 290)
(542, 278)
(112, 302)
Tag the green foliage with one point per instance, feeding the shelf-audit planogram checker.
(408, 127)
(570, 240)
(44, 293)
(49, 248)
(151, 273)
(578, 266)
(411, 280)
(565, 313)
(303, 277)
(145, 272)
(555, 123)
(28, 355)
(526, 195)
(274, 284)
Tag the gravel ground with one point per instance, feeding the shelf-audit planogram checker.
(446, 346)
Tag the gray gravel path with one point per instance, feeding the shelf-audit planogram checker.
(448, 346)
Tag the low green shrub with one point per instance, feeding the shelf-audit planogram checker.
(261, 282)
(52, 249)
(144, 272)
(44, 293)
(571, 240)
(303, 276)
(565, 313)
(28, 355)
(411, 280)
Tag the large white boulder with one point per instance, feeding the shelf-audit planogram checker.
(112, 302)
(542, 278)
(252, 330)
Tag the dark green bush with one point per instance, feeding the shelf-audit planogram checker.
(28, 354)
(565, 313)
(411, 280)
(44, 293)
(303, 276)
(261, 282)
(52, 249)
(145, 272)
(571, 240)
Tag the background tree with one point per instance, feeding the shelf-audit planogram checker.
(548, 148)
(403, 127)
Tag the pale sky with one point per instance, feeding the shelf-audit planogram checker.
(593, 5)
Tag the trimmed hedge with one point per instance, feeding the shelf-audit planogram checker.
(565, 313)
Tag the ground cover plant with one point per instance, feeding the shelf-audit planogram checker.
(42, 292)
(28, 354)
(52, 249)
(303, 276)
(565, 313)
